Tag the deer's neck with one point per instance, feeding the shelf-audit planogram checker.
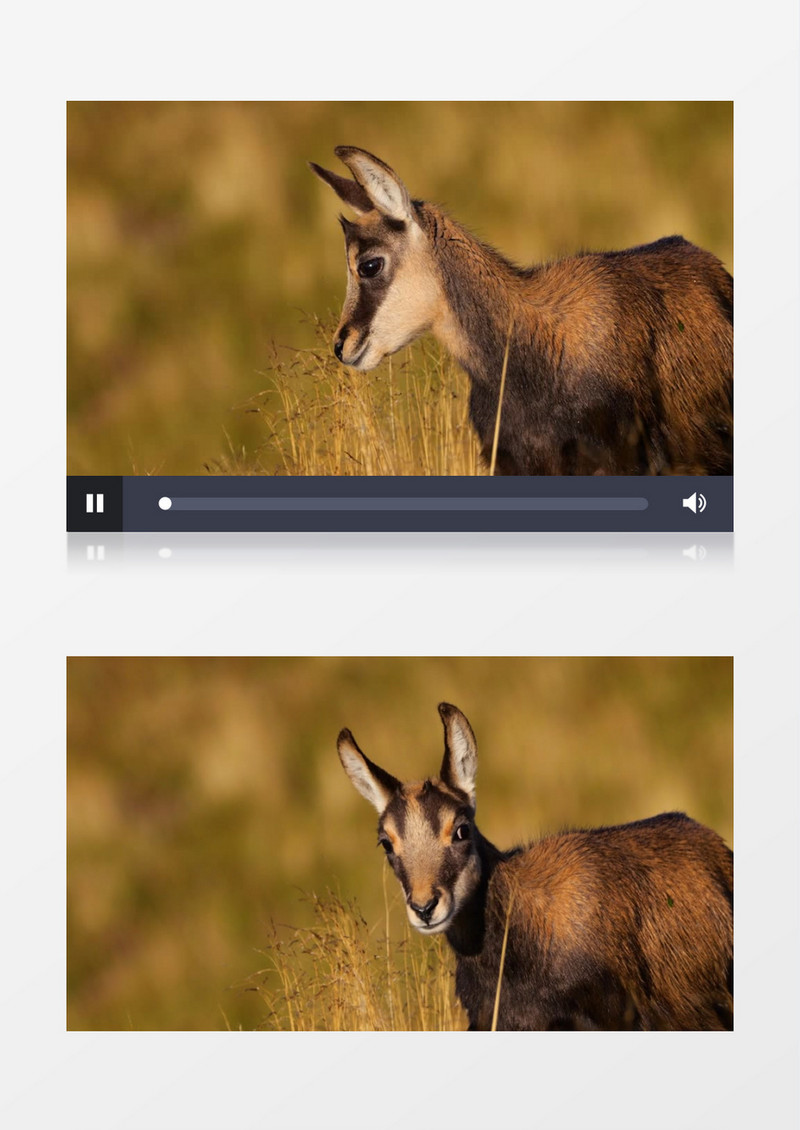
(467, 934)
(487, 301)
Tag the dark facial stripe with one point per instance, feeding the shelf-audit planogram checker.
(371, 293)
(396, 809)
(366, 247)
(400, 871)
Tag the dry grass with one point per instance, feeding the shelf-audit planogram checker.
(343, 975)
(410, 416)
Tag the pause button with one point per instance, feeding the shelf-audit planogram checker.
(94, 503)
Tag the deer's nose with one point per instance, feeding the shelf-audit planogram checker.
(338, 346)
(425, 912)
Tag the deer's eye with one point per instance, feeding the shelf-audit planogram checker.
(461, 833)
(386, 844)
(370, 268)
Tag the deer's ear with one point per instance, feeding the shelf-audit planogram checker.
(375, 784)
(381, 184)
(347, 190)
(460, 763)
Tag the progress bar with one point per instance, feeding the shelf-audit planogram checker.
(417, 502)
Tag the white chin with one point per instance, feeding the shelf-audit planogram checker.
(434, 928)
(366, 362)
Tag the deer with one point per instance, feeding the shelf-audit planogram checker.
(626, 927)
(606, 362)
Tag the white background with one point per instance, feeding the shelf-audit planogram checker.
(403, 595)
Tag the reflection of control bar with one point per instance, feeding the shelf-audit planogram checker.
(417, 502)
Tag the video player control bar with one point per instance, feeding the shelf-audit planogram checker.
(413, 504)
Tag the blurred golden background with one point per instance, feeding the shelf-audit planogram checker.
(197, 238)
(205, 797)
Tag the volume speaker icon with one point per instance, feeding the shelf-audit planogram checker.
(695, 502)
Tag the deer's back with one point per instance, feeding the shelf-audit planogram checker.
(638, 348)
(627, 927)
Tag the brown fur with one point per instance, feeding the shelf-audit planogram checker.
(626, 927)
(619, 362)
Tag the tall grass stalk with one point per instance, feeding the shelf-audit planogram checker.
(502, 963)
(500, 399)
